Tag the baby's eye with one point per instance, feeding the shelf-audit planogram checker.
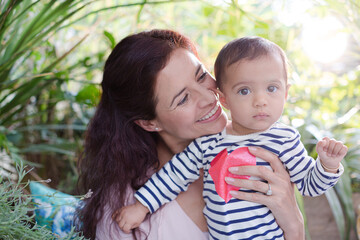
(244, 91)
(272, 89)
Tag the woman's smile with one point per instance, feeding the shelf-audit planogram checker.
(213, 114)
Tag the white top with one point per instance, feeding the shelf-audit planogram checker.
(168, 222)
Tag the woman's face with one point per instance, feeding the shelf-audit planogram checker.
(187, 106)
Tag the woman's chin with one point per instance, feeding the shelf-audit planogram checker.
(216, 125)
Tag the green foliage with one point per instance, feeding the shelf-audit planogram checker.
(32, 75)
(30, 88)
(16, 213)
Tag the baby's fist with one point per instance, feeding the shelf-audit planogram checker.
(331, 152)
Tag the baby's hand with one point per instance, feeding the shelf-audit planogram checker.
(130, 217)
(331, 152)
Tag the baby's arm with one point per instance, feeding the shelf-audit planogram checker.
(131, 216)
(310, 177)
(164, 186)
(330, 152)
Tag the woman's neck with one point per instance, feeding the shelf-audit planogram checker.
(167, 149)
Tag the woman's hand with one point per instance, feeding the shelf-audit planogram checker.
(281, 202)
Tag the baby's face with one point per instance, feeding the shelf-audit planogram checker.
(255, 92)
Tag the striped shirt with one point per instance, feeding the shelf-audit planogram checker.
(237, 219)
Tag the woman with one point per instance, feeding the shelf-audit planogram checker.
(157, 97)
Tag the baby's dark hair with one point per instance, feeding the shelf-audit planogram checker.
(245, 48)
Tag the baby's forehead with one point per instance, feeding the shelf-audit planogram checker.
(273, 58)
(253, 73)
(268, 55)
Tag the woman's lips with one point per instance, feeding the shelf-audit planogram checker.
(213, 114)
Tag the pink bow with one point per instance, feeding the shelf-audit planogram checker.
(220, 165)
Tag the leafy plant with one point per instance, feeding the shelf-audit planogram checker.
(16, 212)
(39, 116)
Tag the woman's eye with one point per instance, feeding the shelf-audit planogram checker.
(272, 89)
(202, 76)
(183, 100)
(244, 91)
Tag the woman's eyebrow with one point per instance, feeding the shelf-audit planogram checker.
(198, 69)
(182, 90)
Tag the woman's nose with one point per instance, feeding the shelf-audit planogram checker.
(206, 97)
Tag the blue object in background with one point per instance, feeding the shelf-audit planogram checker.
(54, 209)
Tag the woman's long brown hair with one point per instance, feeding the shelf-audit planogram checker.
(118, 153)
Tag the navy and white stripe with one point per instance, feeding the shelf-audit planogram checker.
(236, 219)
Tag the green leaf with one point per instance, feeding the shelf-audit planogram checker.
(88, 95)
(52, 127)
(46, 148)
(110, 39)
(337, 211)
(344, 193)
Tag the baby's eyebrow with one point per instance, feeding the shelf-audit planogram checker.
(244, 84)
(276, 81)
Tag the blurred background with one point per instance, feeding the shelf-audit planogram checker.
(52, 54)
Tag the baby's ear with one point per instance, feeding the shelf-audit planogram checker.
(148, 125)
(222, 98)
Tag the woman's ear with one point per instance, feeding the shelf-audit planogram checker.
(222, 98)
(148, 125)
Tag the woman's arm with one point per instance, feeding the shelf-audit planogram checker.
(282, 202)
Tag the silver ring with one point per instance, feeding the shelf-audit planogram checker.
(269, 191)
